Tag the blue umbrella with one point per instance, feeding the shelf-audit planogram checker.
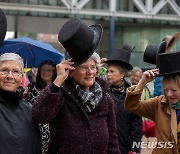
(33, 52)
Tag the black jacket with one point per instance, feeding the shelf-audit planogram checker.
(129, 125)
(18, 133)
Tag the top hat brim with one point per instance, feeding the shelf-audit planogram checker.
(126, 65)
(169, 73)
(3, 26)
(97, 37)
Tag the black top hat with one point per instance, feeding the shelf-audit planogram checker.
(79, 40)
(169, 63)
(152, 51)
(3, 26)
(122, 56)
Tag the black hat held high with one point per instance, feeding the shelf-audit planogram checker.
(170, 40)
(122, 56)
(3, 26)
(169, 63)
(79, 40)
(152, 51)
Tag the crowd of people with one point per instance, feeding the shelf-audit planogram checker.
(87, 104)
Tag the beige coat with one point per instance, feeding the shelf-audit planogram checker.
(164, 116)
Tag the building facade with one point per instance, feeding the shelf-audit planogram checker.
(134, 22)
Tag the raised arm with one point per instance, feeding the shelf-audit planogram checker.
(147, 76)
(133, 103)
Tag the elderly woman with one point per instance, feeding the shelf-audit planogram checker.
(76, 105)
(79, 111)
(18, 132)
(129, 125)
(164, 110)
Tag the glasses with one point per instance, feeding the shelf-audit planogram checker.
(13, 72)
(86, 68)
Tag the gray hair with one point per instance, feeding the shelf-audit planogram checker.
(13, 57)
(96, 58)
(136, 69)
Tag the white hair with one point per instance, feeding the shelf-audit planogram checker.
(13, 57)
(96, 58)
(136, 69)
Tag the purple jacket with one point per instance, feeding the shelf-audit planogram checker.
(74, 131)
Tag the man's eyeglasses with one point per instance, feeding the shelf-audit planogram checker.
(13, 72)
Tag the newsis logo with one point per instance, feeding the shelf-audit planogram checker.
(153, 144)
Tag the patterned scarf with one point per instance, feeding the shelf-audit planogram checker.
(90, 99)
(177, 108)
(119, 88)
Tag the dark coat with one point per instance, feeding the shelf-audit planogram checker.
(129, 125)
(73, 130)
(18, 133)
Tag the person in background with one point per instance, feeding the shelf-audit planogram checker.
(164, 110)
(134, 76)
(129, 125)
(46, 75)
(18, 132)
